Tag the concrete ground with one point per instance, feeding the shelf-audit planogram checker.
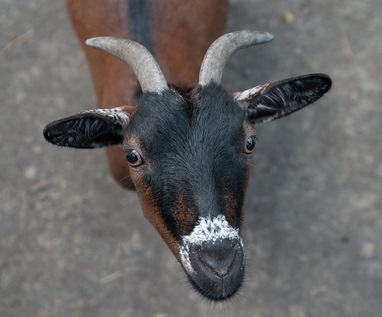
(72, 243)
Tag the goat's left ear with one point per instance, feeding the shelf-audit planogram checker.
(278, 99)
(90, 129)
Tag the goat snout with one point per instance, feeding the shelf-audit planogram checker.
(218, 267)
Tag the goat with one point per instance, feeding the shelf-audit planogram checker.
(187, 151)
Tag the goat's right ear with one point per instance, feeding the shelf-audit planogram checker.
(90, 129)
(281, 98)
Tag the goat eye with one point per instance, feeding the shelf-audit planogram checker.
(133, 158)
(249, 145)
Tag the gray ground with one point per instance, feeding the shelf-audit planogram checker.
(72, 243)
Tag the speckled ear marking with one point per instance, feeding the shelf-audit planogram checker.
(117, 115)
(207, 230)
(246, 96)
(89, 129)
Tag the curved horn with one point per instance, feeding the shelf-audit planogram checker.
(220, 50)
(137, 56)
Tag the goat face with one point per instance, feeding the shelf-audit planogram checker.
(190, 156)
(189, 164)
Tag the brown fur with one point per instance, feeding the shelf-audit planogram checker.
(230, 209)
(152, 213)
(185, 218)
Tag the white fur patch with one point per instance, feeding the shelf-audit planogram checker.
(247, 95)
(243, 95)
(116, 114)
(208, 230)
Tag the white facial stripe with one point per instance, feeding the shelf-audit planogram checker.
(208, 230)
(116, 114)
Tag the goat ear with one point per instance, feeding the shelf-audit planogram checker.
(90, 129)
(279, 99)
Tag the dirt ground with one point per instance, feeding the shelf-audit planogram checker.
(73, 243)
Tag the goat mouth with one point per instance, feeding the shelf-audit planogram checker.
(216, 269)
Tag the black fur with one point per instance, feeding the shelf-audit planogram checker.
(198, 154)
(140, 22)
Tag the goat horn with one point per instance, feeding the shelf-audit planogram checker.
(145, 67)
(220, 50)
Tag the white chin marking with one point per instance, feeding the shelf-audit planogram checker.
(208, 230)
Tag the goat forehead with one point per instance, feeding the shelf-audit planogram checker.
(168, 122)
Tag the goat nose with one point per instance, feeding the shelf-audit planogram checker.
(217, 267)
(219, 257)
(218, 260)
